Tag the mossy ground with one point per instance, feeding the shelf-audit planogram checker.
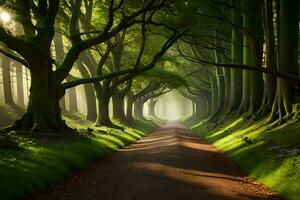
(270, 154)
(41, 162)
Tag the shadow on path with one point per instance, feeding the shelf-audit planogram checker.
(169, 164)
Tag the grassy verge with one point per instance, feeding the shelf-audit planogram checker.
(269, 155)
(45, 161)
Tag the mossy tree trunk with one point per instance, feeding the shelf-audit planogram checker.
(214, 92)
(288, 58)
(270, 59)
(220, 79)
(103, 98)
(119, 91)
(236, 88)
(135, 102)
(129, 107)
(43, 111)
(119, 108)
(227, 83)
(252, 55)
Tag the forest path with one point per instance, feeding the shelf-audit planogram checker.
(168, 164)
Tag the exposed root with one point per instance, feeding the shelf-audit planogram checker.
(296, 112)
(26, 125)
(261, 113)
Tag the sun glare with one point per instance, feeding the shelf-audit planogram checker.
(172, 110)
(5, 16)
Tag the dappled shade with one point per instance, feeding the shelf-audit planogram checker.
(80, 79)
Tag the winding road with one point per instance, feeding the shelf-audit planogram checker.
(168, 164)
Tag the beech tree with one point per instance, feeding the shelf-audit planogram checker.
(252, 26)
(234, 58)
(33, 50)
(288, 59)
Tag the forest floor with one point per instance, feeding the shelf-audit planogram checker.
(170, 163)
(36, 161)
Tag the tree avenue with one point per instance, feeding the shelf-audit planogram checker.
(111, 65)
(33, 49)
(237, 44)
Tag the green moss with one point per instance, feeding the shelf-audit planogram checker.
(272, 158)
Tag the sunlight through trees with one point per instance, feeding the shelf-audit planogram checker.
(78, 68)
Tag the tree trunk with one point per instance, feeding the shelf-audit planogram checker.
(214, 93)
(183, 105)
(103, 98)
(91, 102)
(43, 111)
(220, 75)
(208, 103)
(221, 89)
(193, 108)
(103, 112)
(119, 109)
(6, 68)
(20, 85)
(19, 74)
(73, 106)
(199, 110)
(129, 108)
(90, 97)
(139, 109)
(236, 88)
(288, 58)
(151, 107)
(270, 57)
(227, 82)
(59, 53)
(252, 55)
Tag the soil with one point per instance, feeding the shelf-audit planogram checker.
(168, 164)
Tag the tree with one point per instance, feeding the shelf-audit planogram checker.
(47, 86)
(288, 59)
(252, 55)
(6, 69)
(236, 57)
(270, 60)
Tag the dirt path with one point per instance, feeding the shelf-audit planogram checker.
(169, 164)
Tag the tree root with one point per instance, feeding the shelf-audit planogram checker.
(26, 126)
(296, 112)
(261, 113)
